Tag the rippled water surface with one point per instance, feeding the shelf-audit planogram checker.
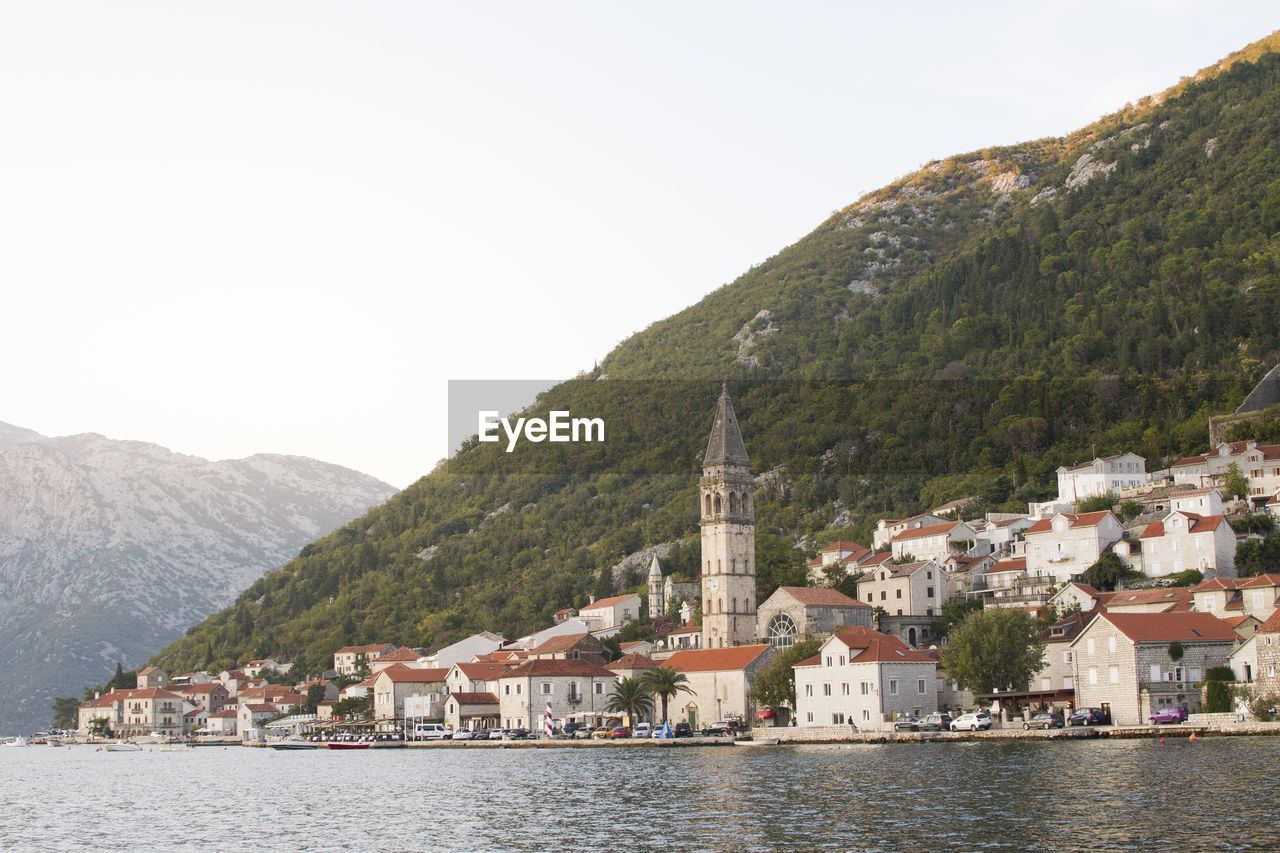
(1214, 794)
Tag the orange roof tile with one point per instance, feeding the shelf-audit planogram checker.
(632, 661)
(1167, 627)
(820, 596)
(873, 646)
(1272, 625)
(560, 643)
(931, 530)
(1086, 519)
(474, 698)
(715, 660)
(540, 668)
(608, 602)
(405, 654)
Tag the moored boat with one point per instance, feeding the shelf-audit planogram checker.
(765, 742)
(291, 743)
(348, 745)
(122, 746)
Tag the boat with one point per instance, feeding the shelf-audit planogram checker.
(291, 743)
(765, 742)
(348, 745)
(122, 746)
(17, 741)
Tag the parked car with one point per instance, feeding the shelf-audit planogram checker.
(728, 728)
(970, 723)
(515, 734)
(1044, 720)
(602, 733)
(583, 732)
(619, 732)
(642, 730)
(1088, 717)
(1169, 714)
(682, 730)
(906, 723)
(432, 731)
(464, 734)
(936, 723)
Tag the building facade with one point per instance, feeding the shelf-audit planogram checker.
(728, 523)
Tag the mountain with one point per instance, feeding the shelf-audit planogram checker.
(963, 331)
(111, 549)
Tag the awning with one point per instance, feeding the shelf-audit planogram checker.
(766, 714)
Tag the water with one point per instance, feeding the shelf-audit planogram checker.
(1214, 794)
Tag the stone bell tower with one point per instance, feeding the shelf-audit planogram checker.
(728, 535)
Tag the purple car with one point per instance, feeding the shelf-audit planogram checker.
(1169, 714)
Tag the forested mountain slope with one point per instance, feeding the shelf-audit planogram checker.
(963, 331)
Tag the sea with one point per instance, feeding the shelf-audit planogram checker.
(1142, 795)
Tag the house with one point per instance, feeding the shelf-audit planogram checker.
(393, 684)
(610, 612)
(865, 679)
(150, 709)
(1124, 471)
(633, 665)
(1258, 596)
(572, 689)
(1069, 543)
(1055, 682)
(721, 682)
(967, 574)
(793, 613)
(221, 723)
(473, 711)
(405, 657)
(251, 716)
(210, 697)
(466, 649)
(687, 636)
(1266, 673)
(1171, 599)
(835, 561)
(255, 668)
(638, 647)
(474, 677)
(998, 532)
(575, 625)
(194, 720)
(910, 594)
(1184, 540)
(357, 689)
(106, 706)
(348, 659)
(152, 677)
(934, 542)
(1129, 661)
(1259, 463)
(888, 528)
(572, 647)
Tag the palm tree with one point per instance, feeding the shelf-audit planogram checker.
(665, 682)
(630, 697)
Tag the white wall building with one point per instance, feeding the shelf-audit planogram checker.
(1067, 544)
(865, 679)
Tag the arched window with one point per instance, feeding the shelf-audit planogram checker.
(733, 502)
(708, 501)
(717, 503)
(911, 636)
(782, 631)
(735, 606)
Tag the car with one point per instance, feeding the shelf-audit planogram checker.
(726, 728)
(515, 734)
(1169, 714)
(432, 731)
(682, 730)
(583, 732)
(970, 723)
(619, 732)
(936, 723)
(1044, 720)
(571, 729)
(602, 733)
(906, 723)
(642, 730)
(1088, 717)
(464, 734)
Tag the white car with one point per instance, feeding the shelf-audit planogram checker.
(432, 731)
(642, 730)
(970, 723)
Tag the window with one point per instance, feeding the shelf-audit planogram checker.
(1093, 675)
(899, 611)
(546, 688)
(928, 593)
(870, 597)
(1155, 672)
(808, 690)
(809, 717)
(837, 719)
(842, 660)
(866, 714)
(1045, 684)
(826, 689)
(598, 688)
(844, 689)
(920, 685)
(1066, 657)
(883, 595)
(506, 689)
(1089, 645)
(897, 593)
(782, 631)
(893, 687)
(519, 688)
(1113, 673)
(1111, 644)
(866, 688)
(928, 576)
(1068, 683)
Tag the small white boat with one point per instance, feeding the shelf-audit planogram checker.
(17, 741)
(122, 746)
(290, 743)
(765, 742)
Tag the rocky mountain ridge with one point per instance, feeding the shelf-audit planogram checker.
(109, 549)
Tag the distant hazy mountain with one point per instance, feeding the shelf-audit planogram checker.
(110, 549)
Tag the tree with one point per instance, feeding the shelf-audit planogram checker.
(1107, 572)
(65, 710)
(631, 697)
(998, 648)
(315, 695)
(100, 727)
(776, 683)
(1234, 482)
(665, 682)
(354, 706)
(1096, 503)
(954, 612)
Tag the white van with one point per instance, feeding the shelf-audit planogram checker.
(432, 731)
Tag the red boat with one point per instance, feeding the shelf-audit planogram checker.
(347, 745)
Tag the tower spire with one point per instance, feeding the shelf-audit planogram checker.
(725, 446)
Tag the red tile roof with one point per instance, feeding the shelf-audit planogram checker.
(1195, 524)
(931, 530)
(632, 661)
(715, 660)
(203, 687)
(1168, 595)
(1087, 519)
(561, 643)
(873, 646)
(842, 545)
(362, 650)
(686, 628)
(1272, 625)
(548, 668)
(1167, 627)
(474, 698)
(820, 597)
(608, 602)
(405, 654)
(816, 660)
(401, 674)
(877, 559)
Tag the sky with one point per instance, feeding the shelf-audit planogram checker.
(284, 227)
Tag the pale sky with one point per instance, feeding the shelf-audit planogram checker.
(283, 227)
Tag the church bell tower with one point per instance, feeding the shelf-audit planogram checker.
(728, 535)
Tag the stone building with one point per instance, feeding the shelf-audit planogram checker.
(795, 613)
(865, 679)
(728, 524)
(721, 681)
(1129, 661)
(574, 689)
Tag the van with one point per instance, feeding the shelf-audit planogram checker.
(432, 731)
